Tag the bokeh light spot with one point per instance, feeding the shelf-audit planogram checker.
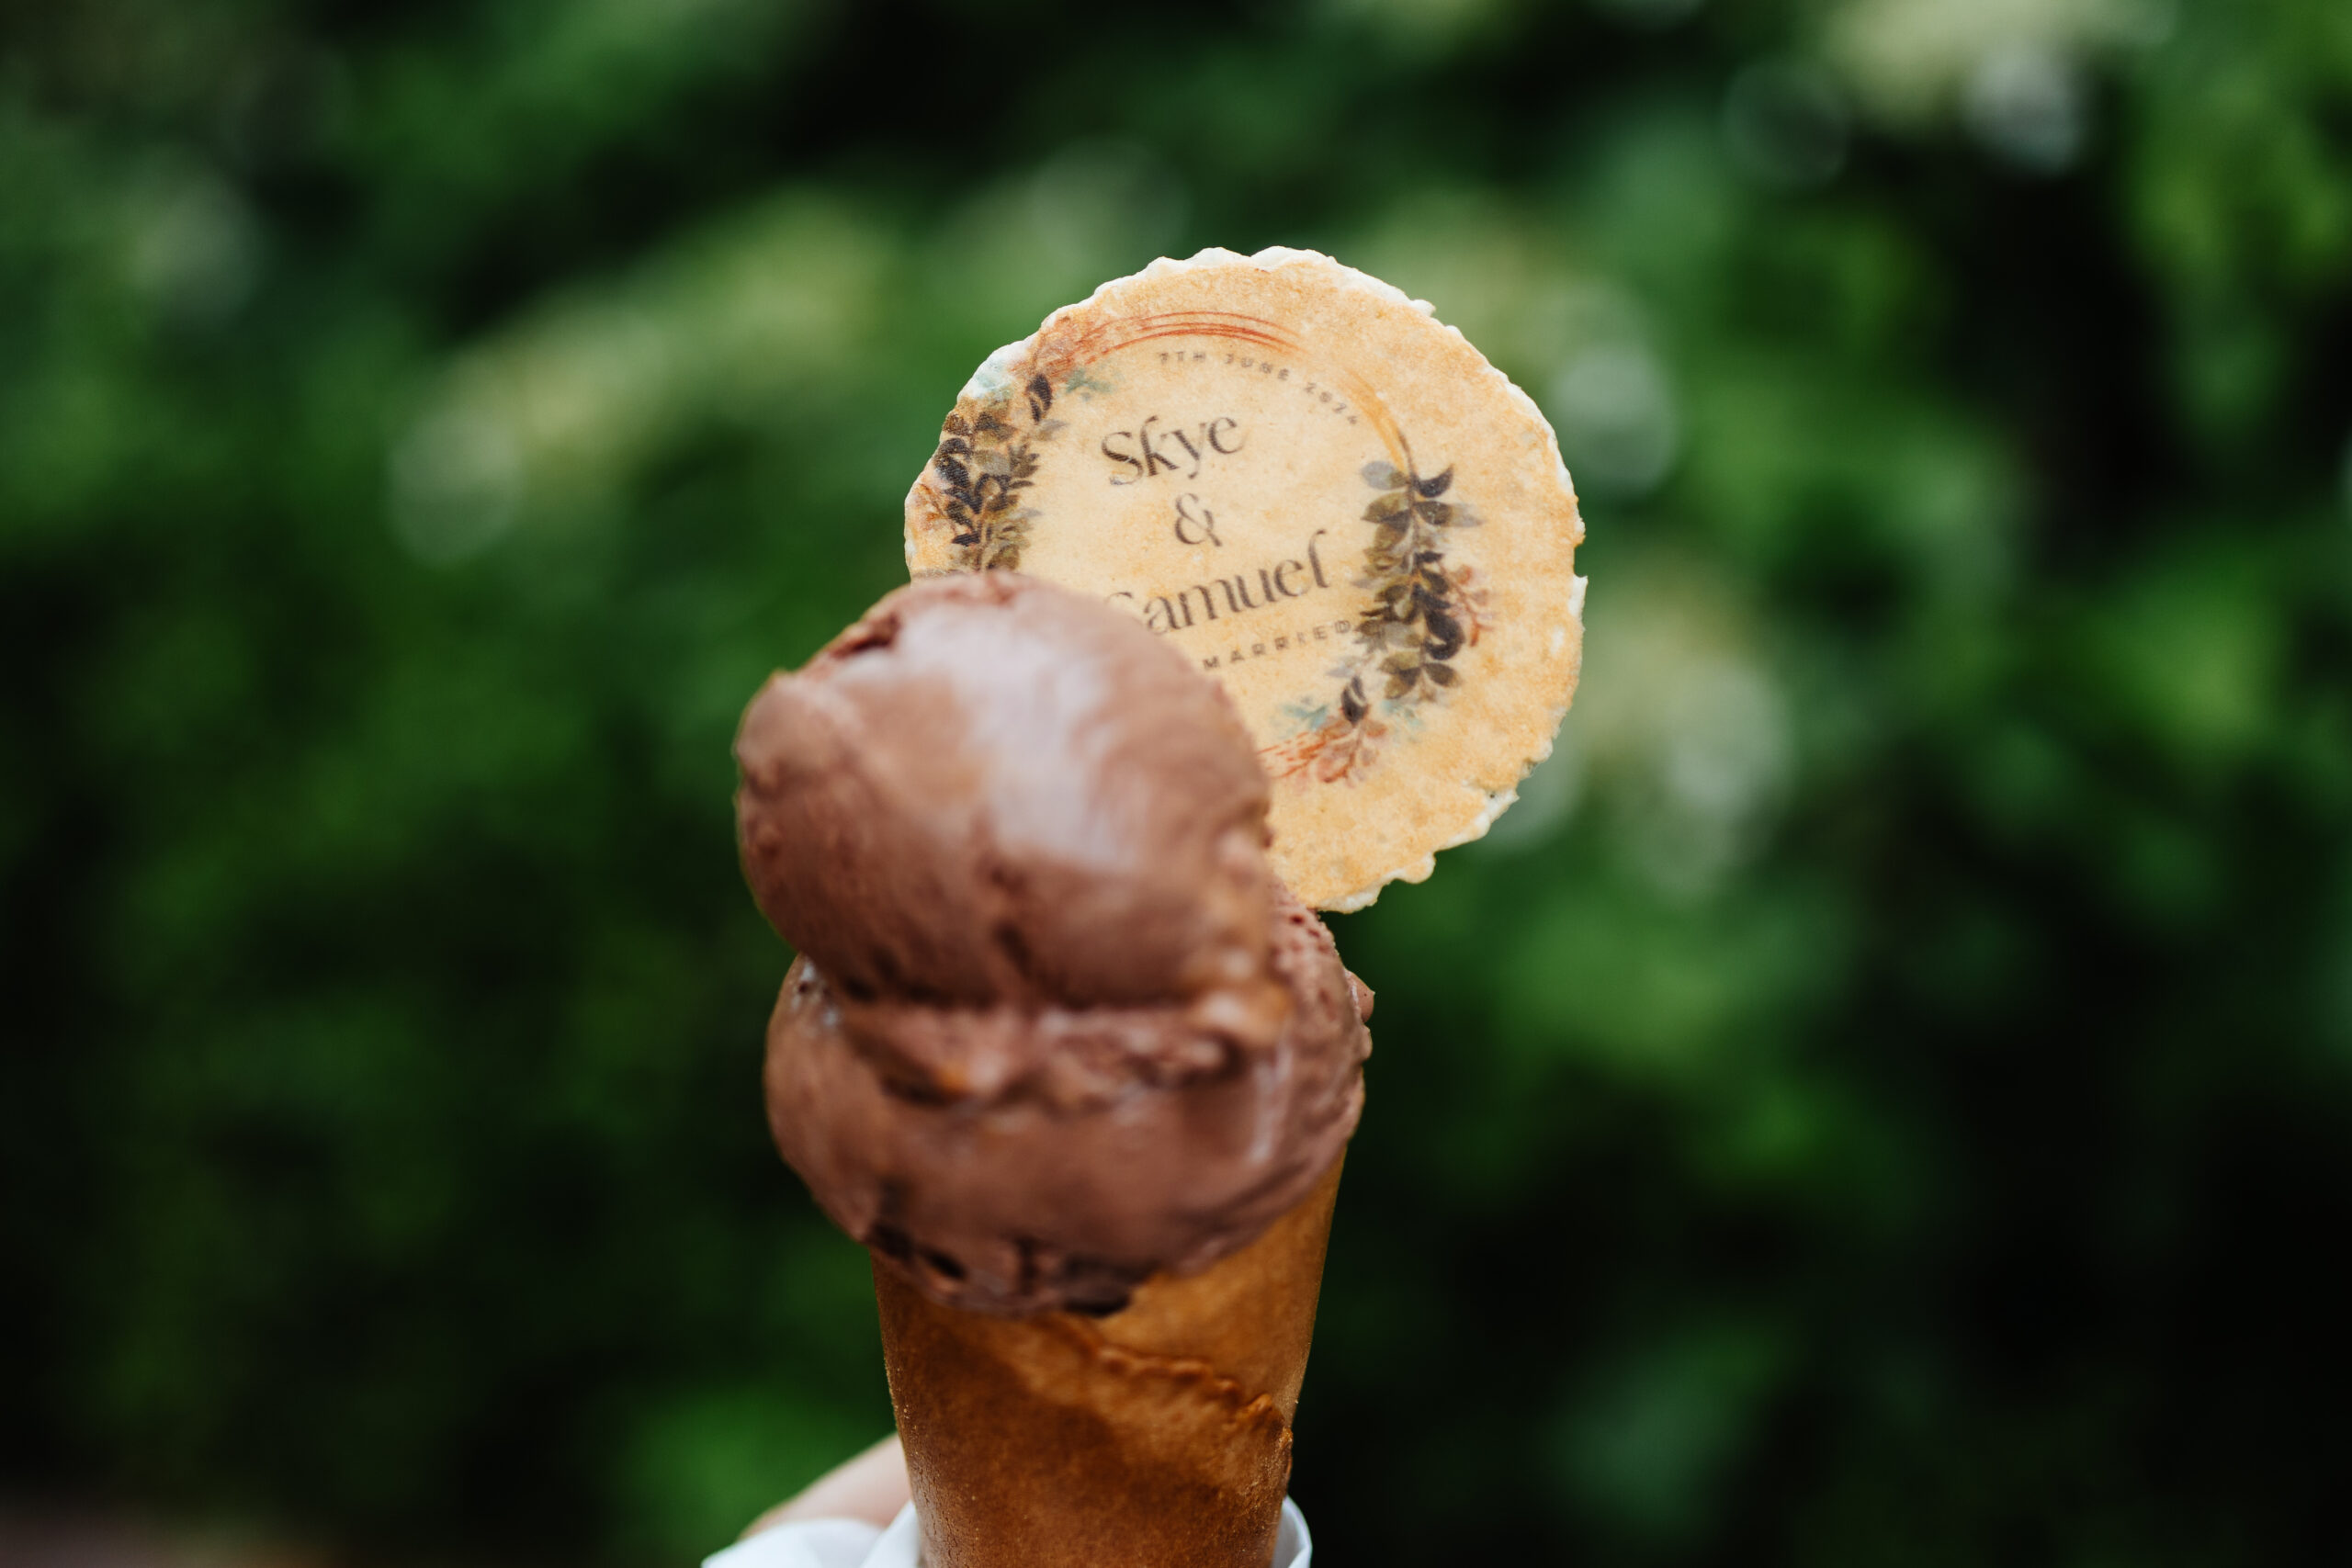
(1786, 123)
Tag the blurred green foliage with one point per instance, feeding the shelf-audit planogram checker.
(1884, 1096)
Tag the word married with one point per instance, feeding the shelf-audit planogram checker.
(1319, 632)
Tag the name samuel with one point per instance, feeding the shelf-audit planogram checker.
(1249, 589)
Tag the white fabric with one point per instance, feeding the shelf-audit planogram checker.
(853, 1543)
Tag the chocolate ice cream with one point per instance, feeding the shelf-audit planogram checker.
(1054, 1027)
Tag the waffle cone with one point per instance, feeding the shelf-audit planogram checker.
(1159, 1435)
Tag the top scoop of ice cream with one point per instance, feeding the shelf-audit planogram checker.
(989, 790)
(1054, 1027)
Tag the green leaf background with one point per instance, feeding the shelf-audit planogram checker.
(1882, 1096)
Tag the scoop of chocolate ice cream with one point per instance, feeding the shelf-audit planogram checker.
(990, 789)
(1054, 1027)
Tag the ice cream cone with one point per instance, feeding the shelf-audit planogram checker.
(1158, 1435)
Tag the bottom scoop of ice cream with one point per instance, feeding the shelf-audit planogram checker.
(1138, 1145)
(1055, 1028)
